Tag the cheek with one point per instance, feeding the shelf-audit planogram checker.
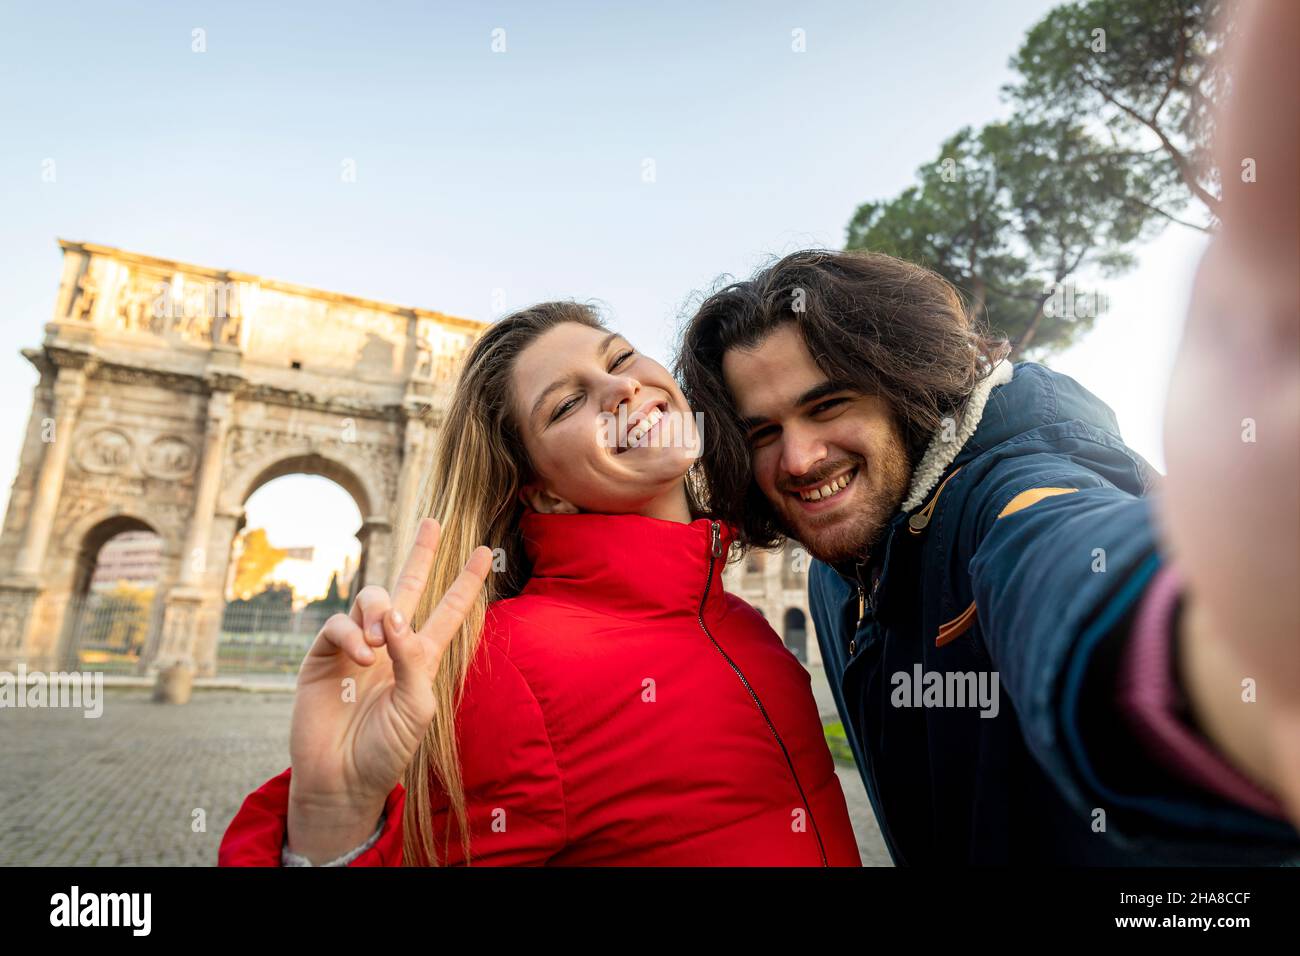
(856, 438)
(546, 457)
(571, 451)
(765, 462)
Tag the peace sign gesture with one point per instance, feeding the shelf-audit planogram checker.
(349, 743)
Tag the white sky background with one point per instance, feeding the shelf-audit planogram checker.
(301, 511)
(516, 174)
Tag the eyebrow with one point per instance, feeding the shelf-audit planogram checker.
(601, 347)
(813, 394)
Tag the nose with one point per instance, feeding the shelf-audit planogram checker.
(800, 451)
(619, 390)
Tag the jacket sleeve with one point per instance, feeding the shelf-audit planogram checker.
(1060, 550)
(256, 836)
(513, 792)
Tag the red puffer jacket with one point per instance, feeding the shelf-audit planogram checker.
(622, 710)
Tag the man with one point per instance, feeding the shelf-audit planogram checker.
(1024, 672)
(984, 545)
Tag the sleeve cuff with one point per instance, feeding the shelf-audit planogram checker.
(1153, 703)
(289, 858)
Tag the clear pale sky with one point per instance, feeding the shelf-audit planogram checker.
(486, 181)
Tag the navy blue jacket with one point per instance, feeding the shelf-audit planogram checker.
(1026, 561)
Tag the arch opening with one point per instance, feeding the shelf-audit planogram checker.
(112, 620)
(296, 558)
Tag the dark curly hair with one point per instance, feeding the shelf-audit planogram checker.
(876, 323)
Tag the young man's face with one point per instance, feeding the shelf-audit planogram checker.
(831, 460)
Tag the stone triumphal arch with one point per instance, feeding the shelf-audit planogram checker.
(168, 394)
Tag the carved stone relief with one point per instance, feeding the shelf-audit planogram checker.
(169, 456)
(104, 451)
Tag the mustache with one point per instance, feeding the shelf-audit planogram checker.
(821, 476)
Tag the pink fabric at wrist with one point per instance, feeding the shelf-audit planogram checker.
(1151, 699)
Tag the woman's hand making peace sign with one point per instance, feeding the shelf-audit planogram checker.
(349, 746)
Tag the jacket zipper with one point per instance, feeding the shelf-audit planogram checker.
(866, 601)
(715, 551)
(862, 595)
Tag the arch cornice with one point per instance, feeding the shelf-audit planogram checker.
(365, 470)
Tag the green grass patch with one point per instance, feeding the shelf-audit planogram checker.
(838, 742)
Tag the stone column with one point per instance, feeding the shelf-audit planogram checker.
(69, 392)
(219, 573)
(16, 605)
(195, 560)
(180, 619)
(415, 448)
(237, 525)
(185, 601)
(376, 543)
(774, 589)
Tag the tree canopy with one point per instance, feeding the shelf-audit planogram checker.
(1108, 145)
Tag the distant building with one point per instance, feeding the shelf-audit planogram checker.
(776, 583)
(177, 391)
(132, 556)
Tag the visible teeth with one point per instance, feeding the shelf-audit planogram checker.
(825, 491)
(637, 431)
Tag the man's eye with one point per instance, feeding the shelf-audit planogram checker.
(621, 359)
(759, 436)
(828, 405)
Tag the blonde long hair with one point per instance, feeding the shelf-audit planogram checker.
(471, 487)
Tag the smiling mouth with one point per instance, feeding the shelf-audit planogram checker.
(830, 489)
(641, 426)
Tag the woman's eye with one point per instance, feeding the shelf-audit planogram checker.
(621, 359)
(563, 407)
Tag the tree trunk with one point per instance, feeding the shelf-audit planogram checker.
(1027, 336)
(979, 296)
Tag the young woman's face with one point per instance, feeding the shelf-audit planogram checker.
(607, 429)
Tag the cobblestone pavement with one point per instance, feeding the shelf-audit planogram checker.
(122, 789)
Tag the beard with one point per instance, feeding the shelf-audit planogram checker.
(856, 527)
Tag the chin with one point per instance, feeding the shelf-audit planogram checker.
(662, 465)
(830, 545)
(837, 541)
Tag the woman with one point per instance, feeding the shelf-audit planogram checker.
(610, 703)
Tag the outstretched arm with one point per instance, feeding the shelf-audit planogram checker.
(1231, 512)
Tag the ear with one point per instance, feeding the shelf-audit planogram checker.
(544, 502)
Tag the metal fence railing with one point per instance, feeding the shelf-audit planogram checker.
(109, 631)
(116, 634)
(266, 640)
